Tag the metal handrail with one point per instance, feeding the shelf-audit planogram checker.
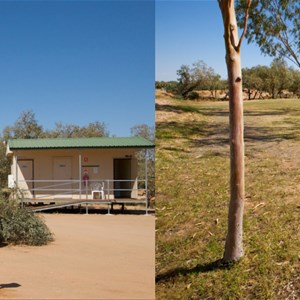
(54, 193)
(108, 186)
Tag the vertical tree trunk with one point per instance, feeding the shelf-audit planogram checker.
(234, 240)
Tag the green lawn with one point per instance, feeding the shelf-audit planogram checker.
(192, 194)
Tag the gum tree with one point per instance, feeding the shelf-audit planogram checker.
(274, 26)
(234, 240)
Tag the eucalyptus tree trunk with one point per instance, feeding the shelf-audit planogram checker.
(234, 240)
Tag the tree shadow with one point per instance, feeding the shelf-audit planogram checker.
(210, 111)
(186, 108)
(175, 108)
(9, 285)
(200, 268)
(204, 133)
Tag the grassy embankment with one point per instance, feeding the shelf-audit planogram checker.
(192, 192)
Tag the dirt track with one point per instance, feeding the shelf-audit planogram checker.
(92, 257)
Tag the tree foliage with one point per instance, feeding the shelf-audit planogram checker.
(197, 76)
(253, 81)
(96, 129)
(148, 132)
(295, 82)
(143, 130)
(279, 78)
(275, 26)
(4, 164)
(274, 80)
(26, 127)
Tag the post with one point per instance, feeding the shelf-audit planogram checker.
(146, 179)
(17, 182)
(86, 197)
(108, 197)
(108, 190)
(17, 171)
(80, 175)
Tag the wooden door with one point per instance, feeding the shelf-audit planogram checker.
(62, 172)
(122, 171)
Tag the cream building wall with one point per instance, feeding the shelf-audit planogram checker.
(54, 164)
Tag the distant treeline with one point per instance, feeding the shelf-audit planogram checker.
(259, 82)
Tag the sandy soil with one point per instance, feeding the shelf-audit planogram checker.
(92, 257)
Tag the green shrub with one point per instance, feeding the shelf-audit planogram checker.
(18, 225)
(193, 95)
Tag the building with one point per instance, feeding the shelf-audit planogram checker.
(71, 170)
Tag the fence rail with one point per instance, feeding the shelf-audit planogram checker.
(106, 191)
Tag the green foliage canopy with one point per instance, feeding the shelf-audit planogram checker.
(96, 129)
(274, 80)
(274, 25)
(198, 76)
(26, 127)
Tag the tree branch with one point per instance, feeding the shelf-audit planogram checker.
(245, 25)
(289, 48)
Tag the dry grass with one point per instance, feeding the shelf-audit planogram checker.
(192, 188)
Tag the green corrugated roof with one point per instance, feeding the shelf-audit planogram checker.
(97, 142)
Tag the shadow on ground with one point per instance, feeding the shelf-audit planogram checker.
(102, 211)
(9, 285)
(200, 268)
(203, 133)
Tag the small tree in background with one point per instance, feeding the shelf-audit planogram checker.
(26, 127)
(198, 76)
(295, 84)
(148, 132)
(4, 164)
(96, 129)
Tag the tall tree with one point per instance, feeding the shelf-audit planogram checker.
(197, 76)
(234, 240)
(26, 127)
(295, 85)
(252, 82)
(274, 25)
(278, 78)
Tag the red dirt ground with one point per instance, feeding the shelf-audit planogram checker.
(92, 257)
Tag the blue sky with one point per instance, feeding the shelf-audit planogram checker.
(187, 31)
(78, 62)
